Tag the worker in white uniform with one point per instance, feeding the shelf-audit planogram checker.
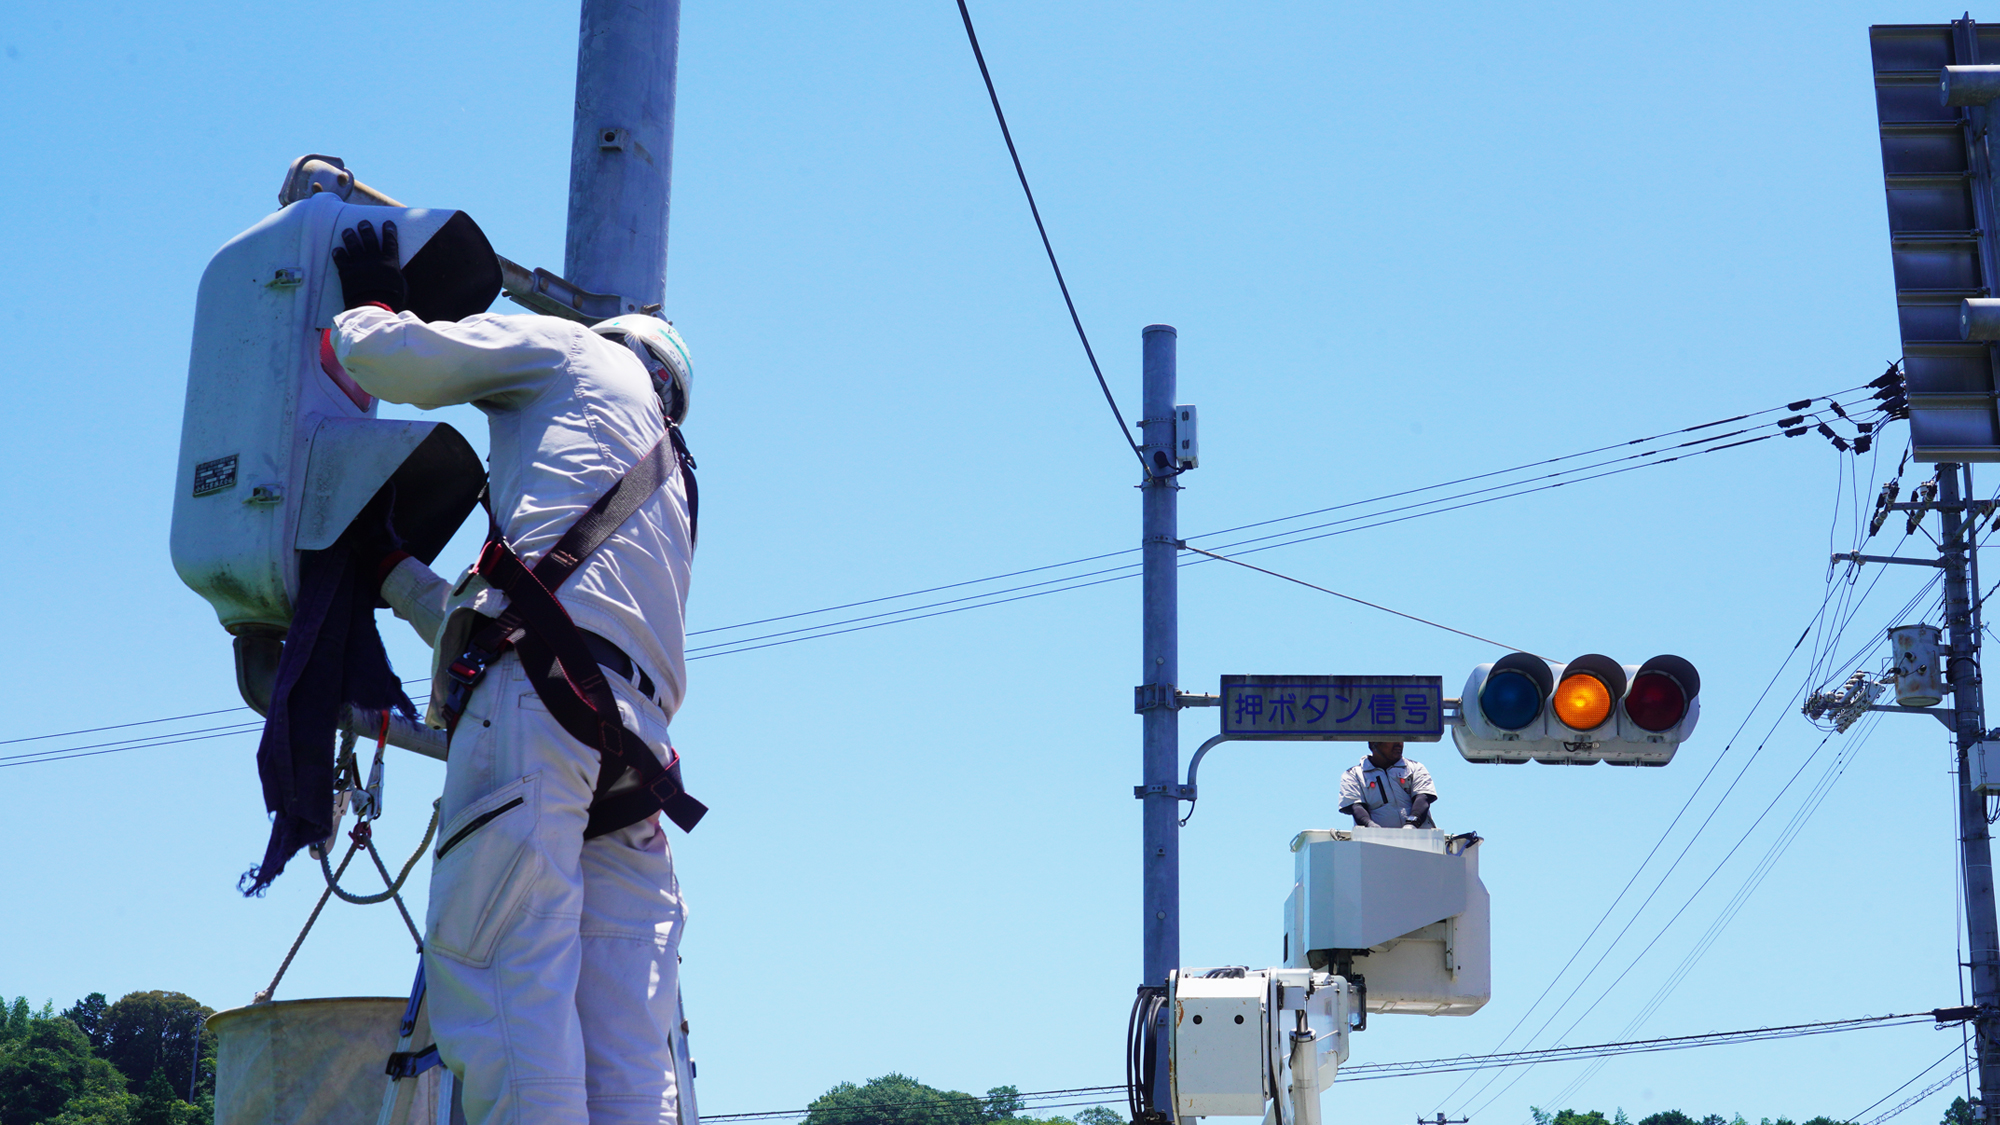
(551, 961)
(1387, 790)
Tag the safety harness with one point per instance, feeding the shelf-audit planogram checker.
(558, 657)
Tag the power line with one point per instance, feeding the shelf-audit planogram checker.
(1665, 834)
(117, 726)
(1785, 838)
(1913, 1078)
(1124, 431)
(1336, 593)
(1920, 1095)
(1129, 570)
(1845, 616)
(1295, 535)
(1364, 1072)
(1061, 584)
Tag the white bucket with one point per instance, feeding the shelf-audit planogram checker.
(313, 1062)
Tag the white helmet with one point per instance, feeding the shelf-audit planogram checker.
(663, 352)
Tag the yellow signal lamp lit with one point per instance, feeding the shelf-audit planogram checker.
(1589, 689)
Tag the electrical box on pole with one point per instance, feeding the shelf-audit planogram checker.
(1187, 446)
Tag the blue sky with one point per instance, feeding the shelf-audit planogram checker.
(1402, 244)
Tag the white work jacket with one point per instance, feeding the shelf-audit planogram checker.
(1387, 794)
(569, 413)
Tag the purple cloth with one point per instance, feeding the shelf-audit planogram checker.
(333, 655)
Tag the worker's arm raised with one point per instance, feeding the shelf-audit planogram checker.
(400, 358)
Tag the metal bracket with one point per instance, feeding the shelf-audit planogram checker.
(1178, 792)
(546, 293)
(1147, 697)
(1856, 556)
(1942, 714)
(536, 289)
(1984, 507)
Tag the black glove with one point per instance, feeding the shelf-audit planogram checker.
(368, 269)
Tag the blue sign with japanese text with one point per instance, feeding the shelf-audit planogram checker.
(1336, 708)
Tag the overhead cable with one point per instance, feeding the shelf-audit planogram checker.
(1364, 1072)
(1124, 571)
(1920, 1095)
(1061, 584)
(1665, 834)
(1124, 431)
(1296, 535)
(1350, 597)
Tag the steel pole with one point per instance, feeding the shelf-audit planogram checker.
(1161, 647)
(621, 157)
(1975, 846)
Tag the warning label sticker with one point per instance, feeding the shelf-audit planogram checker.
(214, 476)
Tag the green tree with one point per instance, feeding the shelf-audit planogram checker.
(1003, 1101)
(88, 1015)
(17, 1019)
(1667, 1117)
(1099, 1115)
(157, 1104)
(102, 1101)
(147, 1031)
(1827, 1121)
(41, 1070)
(1958, 1113)
(893, 1099)
(1572, 1117)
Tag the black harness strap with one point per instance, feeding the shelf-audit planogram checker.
(558, 660)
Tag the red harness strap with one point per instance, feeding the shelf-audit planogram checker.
(559, 663)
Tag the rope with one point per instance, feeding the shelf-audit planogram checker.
(265, 995)
(396, 884)
(415, 935)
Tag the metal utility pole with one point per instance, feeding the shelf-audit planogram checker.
(1968, 728)
(1161, 647)
(622, 150)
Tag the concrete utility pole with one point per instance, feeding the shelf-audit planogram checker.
(1969, 726)
(1161, 646)
(621, 157)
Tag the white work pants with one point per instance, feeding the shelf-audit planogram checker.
(551, 960)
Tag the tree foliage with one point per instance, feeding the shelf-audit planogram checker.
(893, 1099)
(83, 1067)
(88, 1015)
(898, 1099)
(148, 1031)
(41, 1069)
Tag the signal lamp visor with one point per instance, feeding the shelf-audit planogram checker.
(1510, 700)
(1582, 702)
(1656, 702)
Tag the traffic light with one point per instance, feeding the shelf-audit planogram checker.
(1592, 709)
(280, 449)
